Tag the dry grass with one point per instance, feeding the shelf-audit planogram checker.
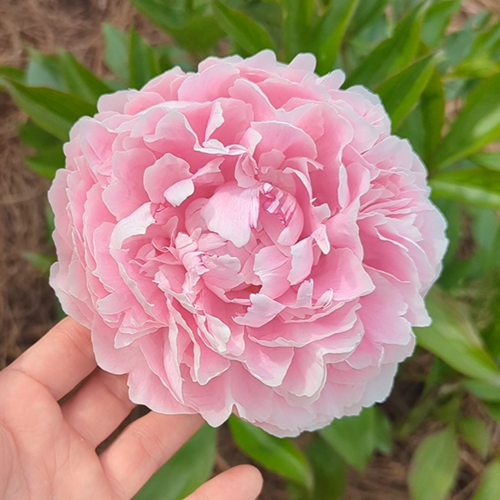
(27, 306)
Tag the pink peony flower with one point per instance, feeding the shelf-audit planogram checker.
(246, 239)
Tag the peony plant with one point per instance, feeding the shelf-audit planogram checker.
(253, 237)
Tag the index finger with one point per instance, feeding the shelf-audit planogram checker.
(60, 360)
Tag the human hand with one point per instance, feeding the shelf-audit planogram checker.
(47, 449)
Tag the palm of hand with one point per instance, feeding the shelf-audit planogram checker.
(47, 449)
(45, 456)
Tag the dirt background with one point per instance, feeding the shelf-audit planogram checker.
(27, 306)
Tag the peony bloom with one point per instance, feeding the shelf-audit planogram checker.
(246, 239)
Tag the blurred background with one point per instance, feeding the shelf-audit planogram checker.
(438, 417)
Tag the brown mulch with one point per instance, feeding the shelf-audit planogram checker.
(27, 305)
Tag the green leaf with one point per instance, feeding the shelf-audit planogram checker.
(242, 29)
(143, 65)
(11, 73)
(278, 455)
(493, 410)
(382, 432)
(195, 30)
(391, 55)
(354, 50)
(47, 161)
(199, 34)
(44, 71)
(116, 51)
(167, 13)
(476, 433)
(41, 261)
(453, 338)
(478, 67)
(296, 18)
(477, 125)
(424, 124)
(434, 466)
(449, 410)
(489, 488)
(164, 57)
(439, 374)
(401, 93)
(33, 136)
(53, 111)
(433, 113)
(458, 45)
(188, 469)
(401, 7)
(80, 80)
(487, 160)
(487, 43)
(173, 55)
(486, 232)
(436, 21)
(329, 471)
(418, 414)
(486, 392)
(478, 186)
(330, 32)
(356, 438)
(365, 13)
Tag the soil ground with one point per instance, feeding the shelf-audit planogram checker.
(27, 305)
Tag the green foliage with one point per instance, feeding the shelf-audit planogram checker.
(47, 161)
(80, 81)
(189, 468)
(53, 111)
(477, 125)
(329, 471)
(35, 137)
(331, 29)
(476, 433)
(437, 20)
(478, 186)
(11, 73)
(453, 338)
(278, 455)
(116, 55)
(44, 71)
(490, 483)
(401, 93)
(365, 13)
(296, 22)
(41, 261)
(249, 35)
(434, 466)
(143, 65)
(423, 126)
(355, 439)
(484, 391)
(393, 54)
(487, 160)
(193, 27)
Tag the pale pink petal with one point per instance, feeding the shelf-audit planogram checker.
(232, 212)
(262, 310)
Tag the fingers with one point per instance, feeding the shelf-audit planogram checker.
(143, 447)
(60, 360)
(99, 406)
(239, 483)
